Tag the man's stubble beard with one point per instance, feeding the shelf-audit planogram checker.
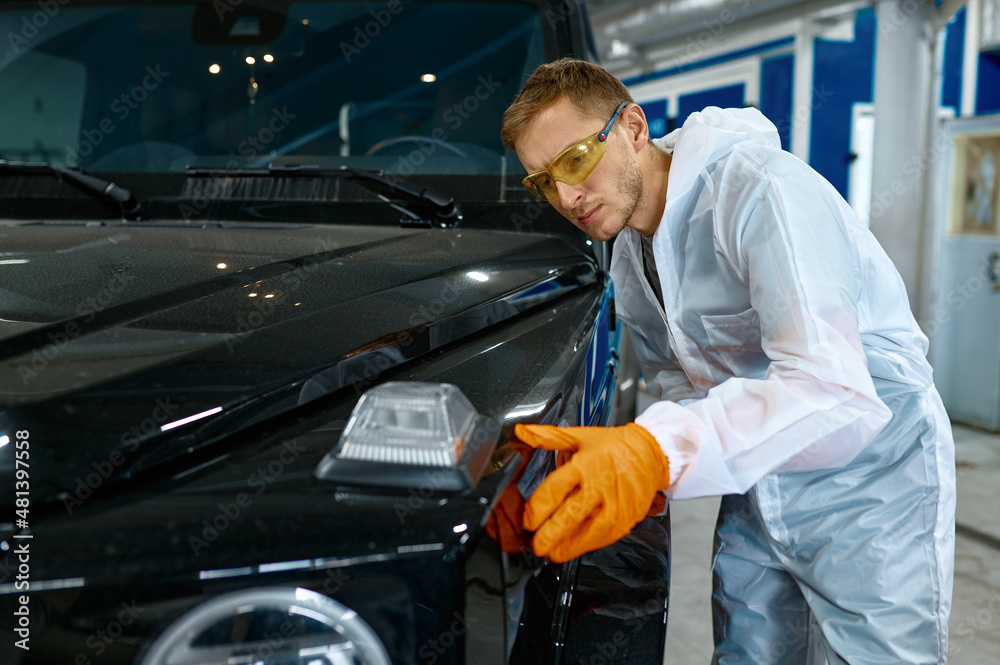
(629, 183)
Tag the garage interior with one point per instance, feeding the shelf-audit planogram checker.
(895, 102)
(883, 99)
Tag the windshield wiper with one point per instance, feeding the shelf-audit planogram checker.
(103, 190)
(424, 206)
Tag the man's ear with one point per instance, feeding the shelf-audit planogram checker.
(633, 120)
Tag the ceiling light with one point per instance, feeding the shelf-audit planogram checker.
(214, 68)
(428, 78)
(250, 60)
(268, 57)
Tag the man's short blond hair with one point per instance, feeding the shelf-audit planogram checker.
(591, 88)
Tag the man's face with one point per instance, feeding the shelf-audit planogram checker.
(603, 204)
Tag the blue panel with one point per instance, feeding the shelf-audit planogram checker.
(988, 90)
(656, 116)
(776, 77)
(726, 97)
(686, 62)
(843, 75)
(954, 42)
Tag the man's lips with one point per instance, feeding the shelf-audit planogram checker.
(589, 217)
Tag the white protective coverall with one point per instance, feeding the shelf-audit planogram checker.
(793, 381)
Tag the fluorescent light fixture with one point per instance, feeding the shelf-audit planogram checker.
(190, 419)
(478, 276)
(459, 528)
(4, 440)
(11, 262)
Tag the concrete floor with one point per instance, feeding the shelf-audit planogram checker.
(975, 617)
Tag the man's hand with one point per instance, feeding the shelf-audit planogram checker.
(607, 486)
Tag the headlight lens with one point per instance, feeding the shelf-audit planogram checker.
(401, 431)
(269, 626)
(409, 423)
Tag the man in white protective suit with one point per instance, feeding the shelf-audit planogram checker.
(791, 375)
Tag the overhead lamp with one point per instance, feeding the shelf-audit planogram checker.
(251, 60)
(214, 68)
(268, 57)
(428, 78)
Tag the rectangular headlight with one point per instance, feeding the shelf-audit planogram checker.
(399, 430)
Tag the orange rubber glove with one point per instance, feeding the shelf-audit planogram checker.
(506, 526)
(606, 488)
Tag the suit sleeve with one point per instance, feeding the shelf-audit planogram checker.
(816, 407)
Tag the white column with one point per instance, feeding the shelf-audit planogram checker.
(970, 59)
(802, 95)
(903, 71)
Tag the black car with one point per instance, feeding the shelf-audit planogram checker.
(272, 298)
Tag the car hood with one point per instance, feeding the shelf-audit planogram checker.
(126, 347)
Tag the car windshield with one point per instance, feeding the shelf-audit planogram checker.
(404, 86)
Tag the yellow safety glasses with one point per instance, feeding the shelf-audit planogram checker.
(572, 165)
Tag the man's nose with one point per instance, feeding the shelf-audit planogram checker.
(569, 195)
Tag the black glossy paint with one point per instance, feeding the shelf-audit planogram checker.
(112, 331)
(279, 326)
